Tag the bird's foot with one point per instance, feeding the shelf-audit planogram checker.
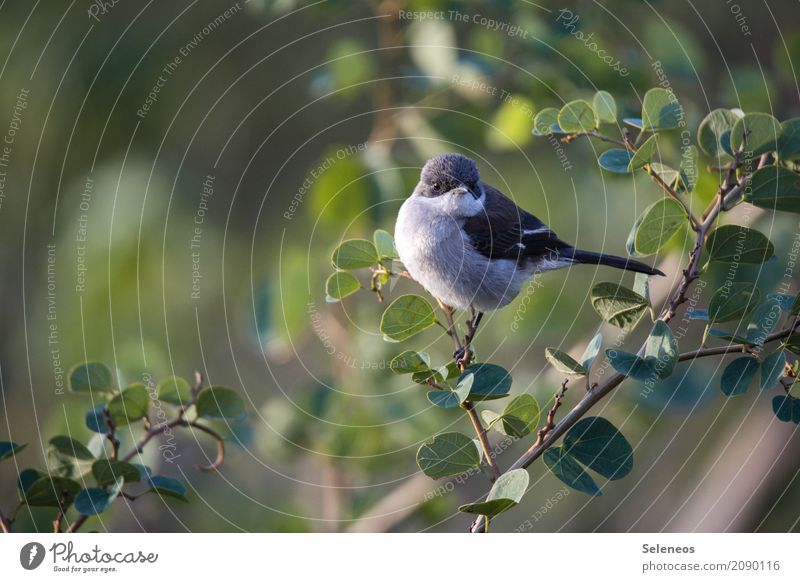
(463, 355)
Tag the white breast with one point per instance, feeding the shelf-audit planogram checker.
(437, 254)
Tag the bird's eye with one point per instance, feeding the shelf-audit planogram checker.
(437, 186)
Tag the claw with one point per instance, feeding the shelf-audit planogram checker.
(459, 354)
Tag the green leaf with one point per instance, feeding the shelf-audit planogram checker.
(786, 301)
(774, 188)
(216, 402)
(763, 321)
(668, 174)
(716, 124)
(448, 454)
(660, 110)
(96, 420)
(733, 302)
(567, 469)
(757, 132)
(50, 492)
(93, 500)
(597, 443)
(384, 244)
(339, 285)
(641, 286)
(591, 351)
(661, 352)
(656, 226)
(576, 116)
(618, 305)
(108, 472)
(129, 405)
(738, 375)
(490, 382)
(355, 254)
(605, 108)
(167, 487)
(506, 492)
(631, 365)
(615, 160)
(451, 398)
(782, 406)
(71, 448)
(786, 408)
(8, 449)
(792, 344)
(409, 362)
(28, 477)
(544, 121)
(789, 142)
(91, 376)
(521, 416)
(644, 154)
(564, 363)
(772, 369)
(729, 337)
(633, 122)
(407, 316)
(174, 390)
(732, 243)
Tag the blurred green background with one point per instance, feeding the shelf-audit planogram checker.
(307, 123)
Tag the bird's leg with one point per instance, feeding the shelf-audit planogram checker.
(451, 326)
(465, 355)
(472, 324)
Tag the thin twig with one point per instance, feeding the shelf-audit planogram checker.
(551, 415)
(595, 135)
(110, 436)
(5, 523)
(673, 194)
(215, 465)
(480, 430)
(57, 520)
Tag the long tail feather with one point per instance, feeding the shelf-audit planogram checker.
(590, 258)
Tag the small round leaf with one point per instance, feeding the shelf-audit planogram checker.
(216, 402)
(91, 376)
(355, 254)
(174, 390)
(448, 454)
(576, 116)
(407, 316)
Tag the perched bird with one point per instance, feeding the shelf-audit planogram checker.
(471, 247)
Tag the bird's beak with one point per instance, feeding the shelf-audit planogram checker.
(463, 190)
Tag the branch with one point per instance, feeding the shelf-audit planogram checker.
(673, 194)
(597, 392)
(595, 135)
(154, 433)
(5, 523)
(215, 465)
(480, 430)
(551, 415)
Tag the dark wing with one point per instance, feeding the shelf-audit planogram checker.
(506, 231)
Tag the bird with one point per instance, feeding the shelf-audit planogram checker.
(471, 247)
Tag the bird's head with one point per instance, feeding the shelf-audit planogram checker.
(449, 175)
